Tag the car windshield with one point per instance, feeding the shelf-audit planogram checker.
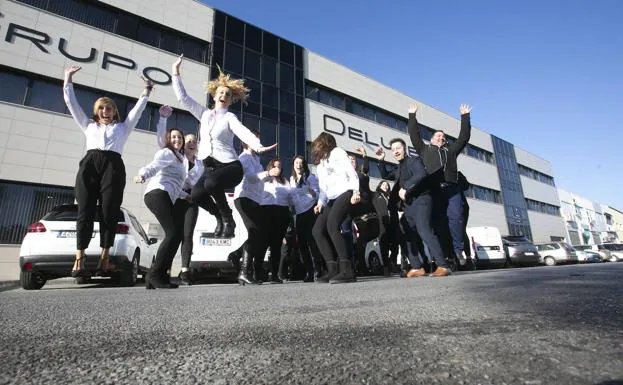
(515, 239)
(581, 247)
(614, 246)
(69, 213)
(567, 246)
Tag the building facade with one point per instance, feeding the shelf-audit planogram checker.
(295, 95)
(614, 225)
(586, 221)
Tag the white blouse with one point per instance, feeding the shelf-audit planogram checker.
(306, 196)
(276, 193)
(194, 173)
(336, 176)
(109, 137)
(252, 184)
(217, 129)
(168, 171)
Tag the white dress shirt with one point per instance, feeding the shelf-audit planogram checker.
(336, 176)
(168, 171)
(109, 137)
(194, 173)
(217, 129)
(252, 184)
(306, 196)
(276, 194)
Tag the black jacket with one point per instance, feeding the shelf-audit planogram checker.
(410, 175)
(444, 157)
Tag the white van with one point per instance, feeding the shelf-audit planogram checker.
(210, 254)
(486, 244)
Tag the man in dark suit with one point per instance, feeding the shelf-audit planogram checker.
(412, 187)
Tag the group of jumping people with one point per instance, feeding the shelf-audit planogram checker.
(188, 173)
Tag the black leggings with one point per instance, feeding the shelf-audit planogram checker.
(250, 213)
(171, 218)
(275, 221)
(209, 192)
(326, 230)
(190, 213)
(101, 176)
(307, 244)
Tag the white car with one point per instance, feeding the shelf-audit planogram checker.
(48, 249)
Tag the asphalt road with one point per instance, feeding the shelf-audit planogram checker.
(559, 325)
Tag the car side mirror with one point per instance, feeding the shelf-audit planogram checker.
(153, 240)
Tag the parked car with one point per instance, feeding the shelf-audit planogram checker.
(616, 251)
(49, 248)
(486, 245)
(586, 254)
(520, 250)
(554, 253)
(604, 253)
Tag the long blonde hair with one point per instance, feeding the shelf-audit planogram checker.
(105, 100)
(239, 92)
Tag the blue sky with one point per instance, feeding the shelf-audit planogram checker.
(545, 75)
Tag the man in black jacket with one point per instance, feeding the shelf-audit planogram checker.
(412, 187)
(447, 199)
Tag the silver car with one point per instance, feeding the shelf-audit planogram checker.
(554, 253)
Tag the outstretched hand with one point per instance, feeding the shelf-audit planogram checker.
(70, 71)
(380, 153)
(361, 150)
(412, 108)
(139, 179)
(166, 111)
(262, 150)
(177, 64)
(465, 109)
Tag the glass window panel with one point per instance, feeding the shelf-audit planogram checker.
(253, 38)
(269, 70)
(300, 82)
(148, 34)
(270, 113)
(312, 92)
(13, 89)
(233, 58)
(42, 4)
(268, 132)
(219, 24)
(86, 99)
(270, 45)
(252, 65)
(169, 42)
(127, 25)
(324, 97)
(187, 123)
(255, 95)
(286, 101)
(368, 113)
(251, 122)
(402, 125)
(300, 141)
(357, 109)
(300, 105)
(287, 118)
(287, 141)
(101, 18)
(218, 49)
(286, 77)
(72, 9)
(235, 30)
(195, 49)
(286, 52)
(298, 54)
(253, 108)
(269, 96)
(45, 95)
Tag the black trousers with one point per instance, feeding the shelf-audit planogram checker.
(101, 177)
(326, 231)
(275, 221)
(209, 192)
(190, 214)
(250, 213)
(419, 217)
(307, 244)
(171, 218)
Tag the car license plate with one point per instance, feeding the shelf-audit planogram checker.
(529, 253)
(69, 234)
(215, 241)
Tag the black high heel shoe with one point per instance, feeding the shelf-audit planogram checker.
(151, 284)
(81, 269)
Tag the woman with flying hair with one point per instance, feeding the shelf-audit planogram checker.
(339, 190)
(222, 169)
(101, 173)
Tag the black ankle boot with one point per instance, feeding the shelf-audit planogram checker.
(186, 278)
(152, 282)
(330, 273)
(229, 226)
(218, 230)
(346, 274)
(245, 278)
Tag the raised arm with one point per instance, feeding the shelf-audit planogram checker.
(466, 130)
(161, 128)
(365, 167)
(389, 175)
(245, 135)
(135, 113)
(195, 108)
(414, 130)
(70, 98)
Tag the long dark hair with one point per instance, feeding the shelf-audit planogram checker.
(322, 146)
(169, 145)
(378, 187)
(306, 172)
(281, 179)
